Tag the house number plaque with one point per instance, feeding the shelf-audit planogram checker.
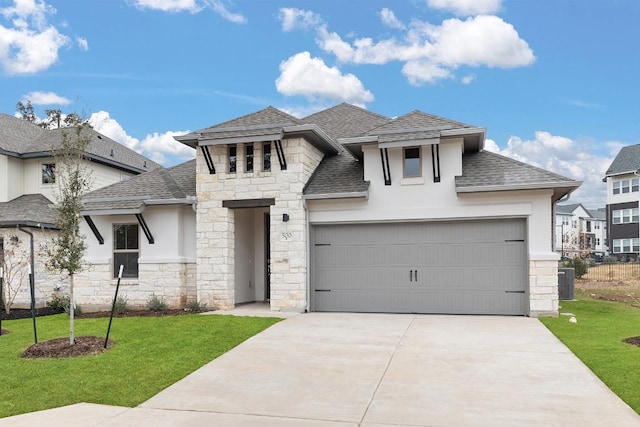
(286, 237)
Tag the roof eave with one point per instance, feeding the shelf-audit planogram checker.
(31, 224)
(344, 195)
(316, 136)
(515, 187)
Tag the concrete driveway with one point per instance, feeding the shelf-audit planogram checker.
(324, 369)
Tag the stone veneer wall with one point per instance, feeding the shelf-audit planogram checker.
(543, 288)
(215, 224)
(45, 283)
(95, 288)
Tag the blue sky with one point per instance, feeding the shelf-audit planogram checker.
(555, 82)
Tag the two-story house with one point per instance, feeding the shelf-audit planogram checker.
(580, 232)
(344, 210)
(623, 193)
(28, 190)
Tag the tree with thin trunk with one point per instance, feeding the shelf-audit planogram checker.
(65, 251)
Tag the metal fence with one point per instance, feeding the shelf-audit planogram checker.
(613, 272)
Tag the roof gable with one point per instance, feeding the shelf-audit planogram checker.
(418, 120)
(627, 161)
(24, 139)
(30, 210)
(346, 120)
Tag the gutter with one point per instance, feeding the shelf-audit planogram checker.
(345, 195)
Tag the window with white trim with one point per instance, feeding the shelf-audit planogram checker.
(126, 250)
(565, 220)
(412, 162)
(625, 186)
(626, 245)
(625, 216)
(596, 225)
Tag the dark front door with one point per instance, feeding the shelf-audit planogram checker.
(267, 257)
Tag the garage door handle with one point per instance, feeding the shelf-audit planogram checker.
(514, 292)
(415, 275)
(411, 275)
(323, 290)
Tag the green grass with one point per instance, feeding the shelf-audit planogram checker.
(150, 353)
(596, 339)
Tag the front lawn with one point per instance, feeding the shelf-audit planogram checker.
(150, 353)
(596, 338)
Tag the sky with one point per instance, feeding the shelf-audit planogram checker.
(554, 82)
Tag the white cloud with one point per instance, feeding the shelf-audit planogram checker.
(172, 6)
(159, 147)
(191, 6)
(83, 43)
(467, 7)
(390, 20)
(103, 123)
(29, 44)
(46, 98)
(311, 77)
(219, 7)
(433, 52)
(298, 19)
(564, 156)
(468, 79)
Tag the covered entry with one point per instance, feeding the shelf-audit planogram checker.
(456, 267)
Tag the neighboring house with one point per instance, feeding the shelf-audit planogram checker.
(148, 225)
(348, 210)
(28, 191)
(623, 194)
(580, 232)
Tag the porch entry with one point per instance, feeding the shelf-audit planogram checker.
(251, 254)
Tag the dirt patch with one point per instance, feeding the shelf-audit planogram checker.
(134, 313)
(60, 347)
(633, 341)
(623, 291)
(3, 332)
(23, 313)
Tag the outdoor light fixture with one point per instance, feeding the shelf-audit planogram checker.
(285, 217)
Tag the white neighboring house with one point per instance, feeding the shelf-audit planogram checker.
(28, 191)
(580, 232)
(344, 210)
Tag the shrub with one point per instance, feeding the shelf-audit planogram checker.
(579, 267)
(610, 259)
(59, 303)
(195, 306)
(120, 307)
(156, 303)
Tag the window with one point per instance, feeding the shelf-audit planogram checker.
(48, 173)
(625, 216)
(574, 224)
(597, 241)
(412, 163)
(588, 223)
(565, 220)
(266, 156)
(125, 249)
(1, 253)
(626, 186)
(596, 226)
(233, 158)
(248, 153)
(626, 245)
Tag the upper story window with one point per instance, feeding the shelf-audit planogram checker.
(125, 249)
(48, 173)
(625, 216)
(266, 156)
(248, 153)
(565, 220)
(574, 224)
(233, 158)
(626, 245)
(412, 162)
(596, 226)
(626, 186)
(588, 226)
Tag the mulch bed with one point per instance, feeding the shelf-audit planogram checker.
(633, 341)
(23, 313)
(60, 347)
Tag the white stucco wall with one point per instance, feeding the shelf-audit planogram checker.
(166, 267)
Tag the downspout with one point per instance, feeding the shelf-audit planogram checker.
(31, 282)
(307, 256)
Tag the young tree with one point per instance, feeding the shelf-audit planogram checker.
(26, 111)
(65, 251)
(14, 262)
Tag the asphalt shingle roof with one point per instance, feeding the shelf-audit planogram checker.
(29, 209)
(627, 160)
(23, 139)
(337, 174)
(346, 121)
(178, 182)
(486, 169)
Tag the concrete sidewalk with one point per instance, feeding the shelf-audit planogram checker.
(322, 369)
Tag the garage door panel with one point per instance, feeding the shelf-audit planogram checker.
(477, 267)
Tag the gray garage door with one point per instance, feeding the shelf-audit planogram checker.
(461, 267)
